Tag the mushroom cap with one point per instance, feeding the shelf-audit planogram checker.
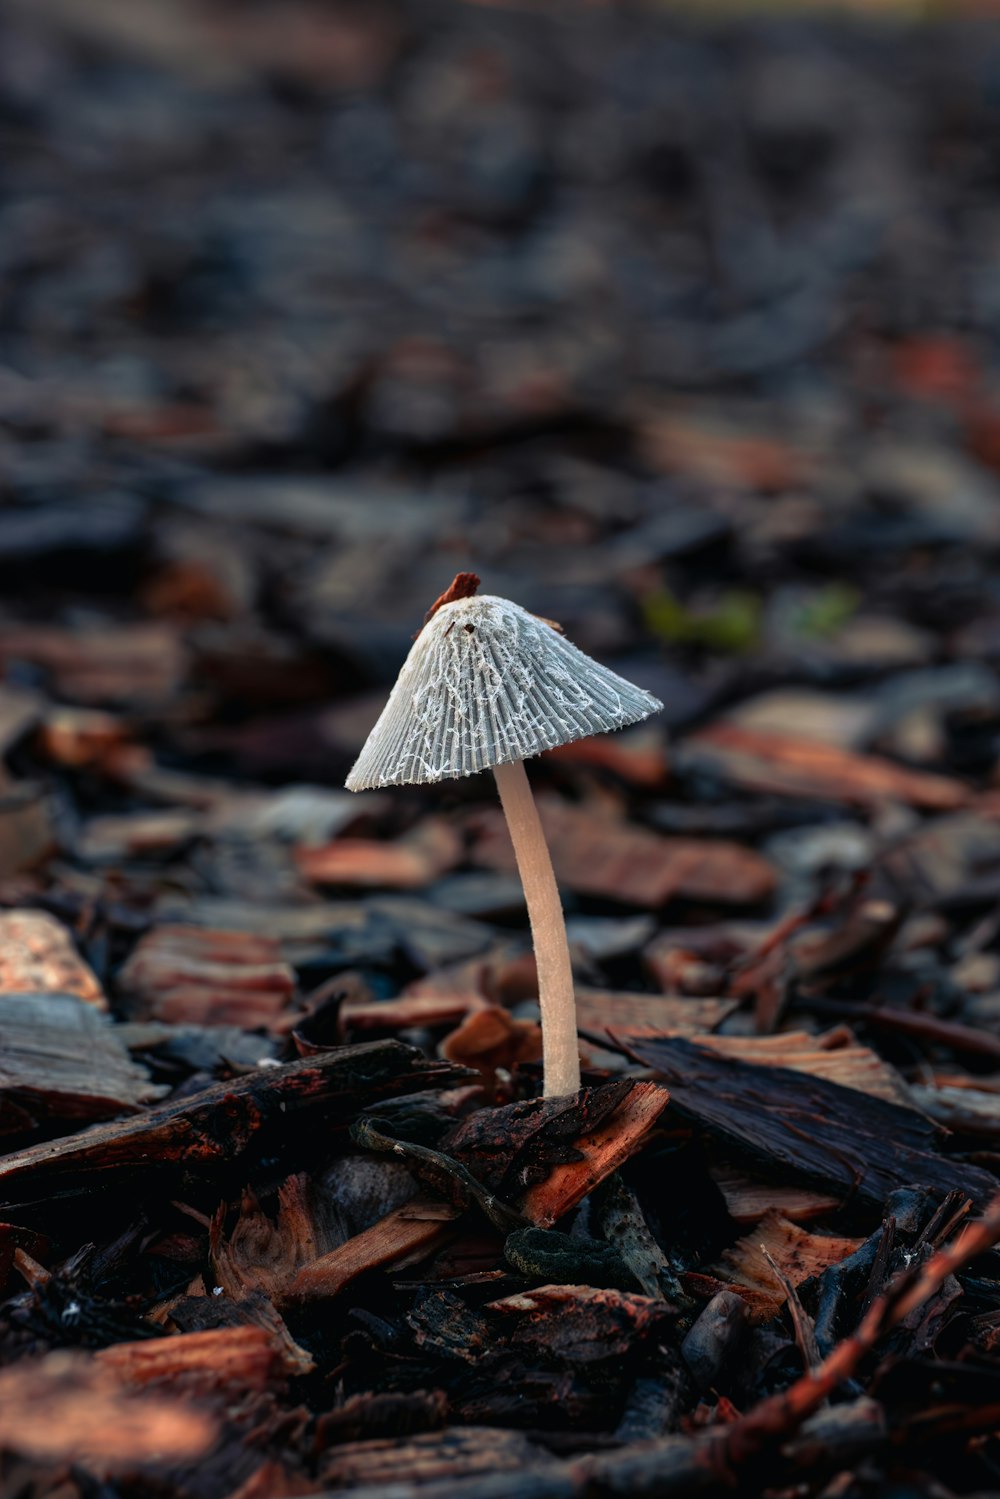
(487, 683)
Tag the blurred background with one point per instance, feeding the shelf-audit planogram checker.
(678, 325)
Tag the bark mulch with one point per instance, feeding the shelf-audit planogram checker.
(682, 334)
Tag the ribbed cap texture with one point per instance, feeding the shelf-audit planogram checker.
(484, 684)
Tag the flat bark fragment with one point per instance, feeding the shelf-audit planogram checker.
(628, 1014)
(784, 766)
(38, 956)
(420, 1225)
(599, 856)
(61, 1059)
(67, 1407)
(229, 1124)
(211, 1312)
(815, 1130)
(27, 833)
(582, 1324)
(409, 863)
(602, 1152)
(749, 1199)
(245, 1358)
(546, 1154)
(836, 1056)
(127, 663)
(475, 1453)
(189, 974)
(797, 1253)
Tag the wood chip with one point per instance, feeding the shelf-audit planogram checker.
(603, 1152)
(638, 758)
(492, 1038)
(626, 1014)
(26, 831)
(722, 455)
(420, 1225)
(204, 977)
(837, 1056)
(582, 1324)
(126, 663)
(761, 1305)
(781, 765)
(797, 1253)
(223, 1124)
(971, 1110)
(38, 956)
(87, 738)
(244, 1358)
(137, 835)
(60, 1059)
(20, 710)
(814, 1130)
(461, 1451)
(408, 864)
(598, 856)
(748, 1200)
(361, 1017)
(263, 1252)
(68, 1408)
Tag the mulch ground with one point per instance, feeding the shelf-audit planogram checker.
(684, 336)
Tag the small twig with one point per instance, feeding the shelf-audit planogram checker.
(440, 1171)
(961, 1038)
(802, 1323)
(35, 1274)
(745, 967)
(880, 1265)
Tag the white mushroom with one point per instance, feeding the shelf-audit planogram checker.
(485, 686)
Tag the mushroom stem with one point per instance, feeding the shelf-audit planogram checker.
(560, 1051)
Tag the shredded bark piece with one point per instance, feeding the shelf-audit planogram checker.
(462, 586)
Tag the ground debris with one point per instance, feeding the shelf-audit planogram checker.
(820, 1132)
(61, 1060)
(37, 956)
(220, 1126)
(683, 336)
(70, 1407)
(193, 975)
(598, 856)
(775, 1246)
(775, 764)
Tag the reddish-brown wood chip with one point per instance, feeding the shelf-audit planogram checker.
(598, 856)
(638, 758)
(246, 1357)
(749, 1200)
(782, 766)
(38, 956)
(408, 864)
(492, 1038)
(124, 663)
(186, 974)
(409, 1231)
(602, 1152)
(70, 1407)
(797, 1253)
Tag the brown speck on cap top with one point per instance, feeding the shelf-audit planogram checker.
(462, 586)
